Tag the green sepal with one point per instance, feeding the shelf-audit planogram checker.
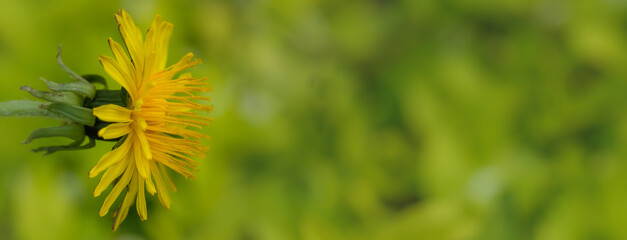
(79, 87)
(80, 115)
(65, 68)
(104, 97)
(125, 97)
(72, 146)
(75, 132)
(26, 108)
(60, 97)
(93, 78)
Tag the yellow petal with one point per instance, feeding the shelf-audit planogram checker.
(141, 201)
(140, 159)
(156, 45)
(164, 41)
(126, 204)
(111, 158)
(185, 75)
(119, 75)
(167, 177)
(115, 130)
(145, 146)
(110, 175)
(132, 36)
(162, 192)
(113, 113)
(146, 150)
(150, 186)
(122, 58)
(151, 47)
(186, 61)
(115, 192)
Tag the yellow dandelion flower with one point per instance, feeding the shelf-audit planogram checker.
(156, 127)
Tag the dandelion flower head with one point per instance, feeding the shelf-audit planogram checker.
(157, 128)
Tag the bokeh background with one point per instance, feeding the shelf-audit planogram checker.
(404, 119)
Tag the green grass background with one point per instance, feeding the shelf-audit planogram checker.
(408, 119)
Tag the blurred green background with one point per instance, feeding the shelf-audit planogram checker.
(450, 119)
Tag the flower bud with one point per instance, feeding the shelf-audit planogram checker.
(71, 102)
